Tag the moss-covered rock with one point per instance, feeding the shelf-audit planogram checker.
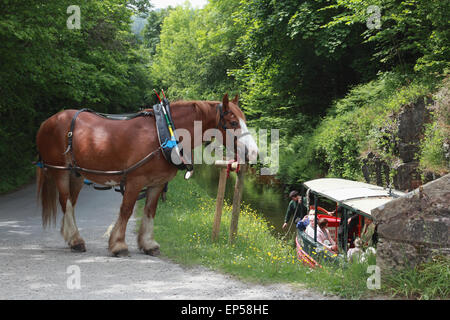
(415, 227)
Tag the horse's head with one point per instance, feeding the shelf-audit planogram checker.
(231, 121)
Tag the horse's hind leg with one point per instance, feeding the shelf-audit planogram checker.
(146, 241)
(69, 187)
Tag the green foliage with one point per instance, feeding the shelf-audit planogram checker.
(433, 155)
(429, 280)
(183, 226)
(291, 59)
(194, 52)
(183, 229)
(435, 147)
(47, 67)
(363, 122)
(414, 34)
(292, 62)
(152, 29)
(298, 161)
(295, 62)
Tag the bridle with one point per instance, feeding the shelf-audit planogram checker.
(222, 123)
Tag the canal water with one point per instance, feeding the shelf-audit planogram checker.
(263, 195)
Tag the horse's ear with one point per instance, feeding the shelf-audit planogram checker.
(236, 99)
(225, 101)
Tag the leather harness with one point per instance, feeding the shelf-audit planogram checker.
(76, 169)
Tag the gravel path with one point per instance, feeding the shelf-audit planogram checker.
(37, 264)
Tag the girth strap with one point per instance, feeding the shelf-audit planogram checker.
(100, 172)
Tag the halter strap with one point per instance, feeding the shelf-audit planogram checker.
(222, 113)
(242, 135)
(222, 123)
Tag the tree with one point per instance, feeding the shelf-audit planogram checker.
(295, 64)
(46, 66)
(196, 51)
(413, 34)
(152, 29)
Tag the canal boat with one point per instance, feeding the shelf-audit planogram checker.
(354, 202)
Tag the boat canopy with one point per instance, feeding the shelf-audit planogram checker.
(360, 196)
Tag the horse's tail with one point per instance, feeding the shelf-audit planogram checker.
(47, 193)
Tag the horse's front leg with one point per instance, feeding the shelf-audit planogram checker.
(117, 244)
(146, 241)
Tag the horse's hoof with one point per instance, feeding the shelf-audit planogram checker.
(152, 252)
(121, 253)
(80, 247)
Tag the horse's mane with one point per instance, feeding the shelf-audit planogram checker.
(208, 108)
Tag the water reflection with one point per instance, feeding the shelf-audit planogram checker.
(267, 200)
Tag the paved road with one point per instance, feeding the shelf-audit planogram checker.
(37, 264)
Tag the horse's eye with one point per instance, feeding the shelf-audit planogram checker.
(234, 124)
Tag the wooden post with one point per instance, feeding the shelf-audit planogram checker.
(224, 164)
(238, 188)
(219, 203)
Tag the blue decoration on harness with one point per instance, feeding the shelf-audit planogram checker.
(87, 182)
(169, 144)
(40, 164)
(167, 138)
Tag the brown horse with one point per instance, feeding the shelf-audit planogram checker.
(107, 145)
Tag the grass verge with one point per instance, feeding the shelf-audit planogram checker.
(183, 227)
(429, 280)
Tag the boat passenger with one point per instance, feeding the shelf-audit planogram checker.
(367, 234)
(324, 237)
(296, 208)
(310, 228)
(352, 227)
(336, 212)
(355, 254)
(303, 224)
